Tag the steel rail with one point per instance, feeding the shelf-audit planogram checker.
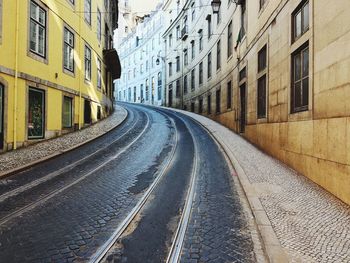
(103, 250)
(177, 244)
(52, 175)
(60, 190)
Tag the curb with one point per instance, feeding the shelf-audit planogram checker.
(271, 245)
(58, 153)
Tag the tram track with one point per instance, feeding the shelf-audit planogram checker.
(52, 194)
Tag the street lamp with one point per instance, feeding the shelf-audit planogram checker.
(215, 4)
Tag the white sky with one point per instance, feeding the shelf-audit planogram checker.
(143, 6)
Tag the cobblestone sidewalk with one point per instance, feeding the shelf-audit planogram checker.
(23, 156)
(298, 220)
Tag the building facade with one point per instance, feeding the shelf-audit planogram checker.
(57, 68)
(142, 62)
(274, 71)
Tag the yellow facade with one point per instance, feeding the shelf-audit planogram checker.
(21, 69)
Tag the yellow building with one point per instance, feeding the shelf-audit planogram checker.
(57, 66)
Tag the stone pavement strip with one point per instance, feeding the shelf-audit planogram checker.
(298, 220)
(41, 151)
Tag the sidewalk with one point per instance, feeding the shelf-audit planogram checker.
(298, 220)
(27, 156)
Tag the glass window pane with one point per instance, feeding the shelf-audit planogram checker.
(297, 29)
(41, 40)
(297, 67)
(33, 8)
(305, 62)
(32, 36)
(306, 17)
(305, 92)
(297, 94)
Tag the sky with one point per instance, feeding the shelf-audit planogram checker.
(143, 6)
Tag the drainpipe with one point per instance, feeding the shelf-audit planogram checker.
(16, 79)
(80, 71)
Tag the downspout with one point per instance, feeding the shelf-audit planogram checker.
(81, 68)
(16, 79)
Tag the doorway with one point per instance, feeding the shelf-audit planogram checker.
(242, 121)
(87, 112)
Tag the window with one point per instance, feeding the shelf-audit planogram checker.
(243, 19)
(193, 11)
(261, 92)
(67, 112)
(72, 2)
(37, 29)
(177, 92)
(262, 59)
(98, 73)
(242, 74)
(178, 32)
(218, 55)
(170, 40)
(218, 101)
(192, 49)
(185, 57)
(99, 112)
(141, 68)
(261, 97)
(68, 52)
(146, 65)
(209, 26)
(170, 68)
(209, 65)
(201, 73)
(99, 25)
(262, 3)
(147, 89)
(229, 95)
(200, 40)
(300, 80)
(300, 19)
(209, 104)
(192, 106)
(229, 39)
(159, 91)
(36, 113)
(87, 11)
(218, 16)
(193, 79)
(185, 84)
(87, 63)
(177, 64)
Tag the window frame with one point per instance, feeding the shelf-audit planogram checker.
(87, 14)
(36, 53)
(71, 46)
(86, 59)
(297, 10)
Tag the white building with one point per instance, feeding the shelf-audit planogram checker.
(201, 54)
(142, 60)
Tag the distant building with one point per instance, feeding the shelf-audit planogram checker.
(142, 62)
(57, 68)
(276, 72)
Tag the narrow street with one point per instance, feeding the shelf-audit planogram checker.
(157, 188)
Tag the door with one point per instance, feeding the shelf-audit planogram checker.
(2, 98)
(170, 98)
(87, 111)
(242, 120)
(36, 114)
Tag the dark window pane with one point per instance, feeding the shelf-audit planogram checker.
(229, 95)
(305, 55)
(218, 100)
(297, 25)
(305, 92)
(297, 67)
(209, 104)
(297, 94)
(306, 17)
(262, 97)
(262, 59)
